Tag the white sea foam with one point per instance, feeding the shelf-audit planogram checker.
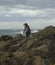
(34, 30)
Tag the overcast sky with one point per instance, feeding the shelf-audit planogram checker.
(37, 13)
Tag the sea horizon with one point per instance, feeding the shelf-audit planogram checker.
(14, 32)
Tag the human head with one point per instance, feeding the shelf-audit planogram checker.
(25, 24)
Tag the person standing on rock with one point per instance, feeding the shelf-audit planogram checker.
(26, 30)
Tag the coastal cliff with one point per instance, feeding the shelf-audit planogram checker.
(38, 49)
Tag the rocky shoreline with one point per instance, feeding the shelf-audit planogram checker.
(37, 50)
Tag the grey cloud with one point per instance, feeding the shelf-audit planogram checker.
(7, 5)
(33, 3)
(41, 3)
(11, 2)
(13, 18)
(7, 2)
(21, 18)
(48, 6)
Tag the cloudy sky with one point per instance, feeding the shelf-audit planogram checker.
(37, 13)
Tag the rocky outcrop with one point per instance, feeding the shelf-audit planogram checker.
(5, 38)
(39, 49)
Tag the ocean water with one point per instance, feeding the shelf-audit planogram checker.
(14, 32)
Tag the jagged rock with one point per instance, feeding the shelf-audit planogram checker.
(37, 50)
(18, 37)
(3, 58)
(43, 48)
(37, 60)
(21, 57)
(48, 32)
(5, 38)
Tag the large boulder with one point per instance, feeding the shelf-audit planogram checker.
(37, 60)
(21, 57)
(43, 48)
(48, 32)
